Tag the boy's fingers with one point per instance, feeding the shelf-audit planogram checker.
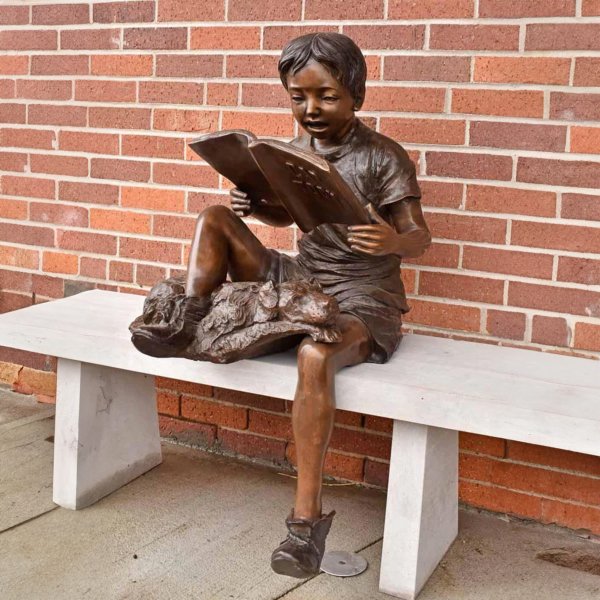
(370, 245)
(237, 193)
(354, 228)
(364, 236)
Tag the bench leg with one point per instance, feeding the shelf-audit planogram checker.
(106, 431)
(421, 518)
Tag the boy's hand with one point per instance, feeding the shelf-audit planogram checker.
(241, 203)
(378, 239)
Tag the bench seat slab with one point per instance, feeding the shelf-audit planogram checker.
(421, 517)
(106, 431)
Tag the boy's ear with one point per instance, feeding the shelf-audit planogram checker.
(358, 102)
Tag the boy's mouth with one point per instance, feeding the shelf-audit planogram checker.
(315, 125)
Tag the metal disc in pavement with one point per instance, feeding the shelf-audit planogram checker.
(343, 564)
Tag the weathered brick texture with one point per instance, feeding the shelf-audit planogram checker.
(496, 101)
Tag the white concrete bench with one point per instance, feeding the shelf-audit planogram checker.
(107, 426)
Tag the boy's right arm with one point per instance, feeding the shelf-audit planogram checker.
(243, 206)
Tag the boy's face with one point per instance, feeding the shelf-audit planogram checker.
(320, 103)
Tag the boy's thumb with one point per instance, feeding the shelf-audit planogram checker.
(374, 215)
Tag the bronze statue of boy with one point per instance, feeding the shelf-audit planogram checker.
(359, 266)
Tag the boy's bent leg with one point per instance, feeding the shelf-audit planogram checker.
(223, 243)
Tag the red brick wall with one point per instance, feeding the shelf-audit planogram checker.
(498, 101)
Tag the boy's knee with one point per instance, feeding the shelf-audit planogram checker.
(313, 357)
(215, 215)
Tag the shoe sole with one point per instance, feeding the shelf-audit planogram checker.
(289, 568)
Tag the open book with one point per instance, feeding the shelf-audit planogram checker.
(309, 187)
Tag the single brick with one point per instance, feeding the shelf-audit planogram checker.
(150, 250)
(574, 516)
(189, 66)
(59, 214)
(587, 71)
(424, 131)
(587, 336)
(184, 174)
(119, 220)
(249, 10)
(123, 65)
(505, 324)
(59, 65)
(13, 209)
(120, 271)
(14, 15)
(98, 90)
(405, 99)
(544, 71)
(59, 262)
(149, 275)
(580, 206)
(175, 10)
(430, 9)
(274, 237)
(554, 299)
(19, 257)
(87, 242)
(585, 140)
(259, 94)
(340, 9)
(275, 124)
(13, 161)
(575, 107)
(27, 186)
(443, 315)
(557, 37)
(591, 8)
(185, 387)
(469, 166)
(167, 403)
(387, 37)
(75, 166)
(499, 499)
(123, 170)
(467, 228)
(253, 446)
(198, 201)
(92, 193)
(225, 38)
(437, 255)
(184, 432)
(171, 93)
(514, 9)
(441, 193)
(255, 66)
(171, 119)
(174, 227)
(31, 381)
(377, 473)
(40, 89)
(124, 12)
(521, 136)
(152, 146)
(100, 143)
(506, 103)
(585, 174)
(13, 113)
(461, 287)
(510, 262)
(27, 138)
(474, 37)
(552, 235)
(14, 40)
(270, 424)
(60, 14)
(46, 114)
(90, 39)
(92, 267)
(482, 444)
(155, 38)
(14, 65)
(120, 118)
(554, 457)
(427, 68)
(153, 199)
(226, 94)
(579, 270)
(485, 198)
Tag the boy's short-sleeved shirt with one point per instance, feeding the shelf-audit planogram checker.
(380, 172)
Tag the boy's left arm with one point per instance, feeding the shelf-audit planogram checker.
(408, 237)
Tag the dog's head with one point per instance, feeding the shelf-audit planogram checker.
(304, 302)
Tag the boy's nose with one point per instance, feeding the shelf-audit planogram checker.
(312, 107)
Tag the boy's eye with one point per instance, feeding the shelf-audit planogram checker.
(297, 98)
(330, 98)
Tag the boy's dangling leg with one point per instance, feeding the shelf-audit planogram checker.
(313, 416)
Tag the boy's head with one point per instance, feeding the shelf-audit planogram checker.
(335, 52)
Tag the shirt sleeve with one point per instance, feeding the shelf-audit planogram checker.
(396, 176)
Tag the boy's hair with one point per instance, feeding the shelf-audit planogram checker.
(336, 52)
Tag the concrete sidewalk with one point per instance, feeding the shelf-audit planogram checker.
(202, 527)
